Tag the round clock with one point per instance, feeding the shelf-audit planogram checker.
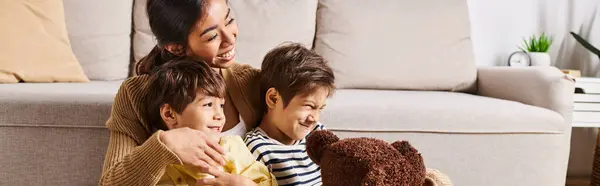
(519, 59)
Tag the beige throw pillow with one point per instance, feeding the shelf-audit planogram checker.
(35, 44)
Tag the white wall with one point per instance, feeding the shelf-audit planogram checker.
(498, 26)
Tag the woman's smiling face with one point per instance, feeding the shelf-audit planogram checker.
(213, 37)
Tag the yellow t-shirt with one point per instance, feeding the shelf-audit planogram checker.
(238, 160)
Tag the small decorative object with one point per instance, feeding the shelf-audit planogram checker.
(586, 44)
(519, 59)
(533, 53)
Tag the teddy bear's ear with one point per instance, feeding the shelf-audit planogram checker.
(414, 158)
(317, 142)
(404, 147)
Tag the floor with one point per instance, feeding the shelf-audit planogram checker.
(578, 182)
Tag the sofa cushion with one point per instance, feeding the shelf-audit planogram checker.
(35, 44)
(57, 104)
(397, 44)
(143, 39)
(99, 32)
(265, 24)
(487, 159)
(435, 112)
(262, 25)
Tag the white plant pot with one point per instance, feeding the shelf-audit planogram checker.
(539, 58)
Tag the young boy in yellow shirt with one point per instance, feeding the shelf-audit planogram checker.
(186, 93)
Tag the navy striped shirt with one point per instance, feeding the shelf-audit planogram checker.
(290, 164)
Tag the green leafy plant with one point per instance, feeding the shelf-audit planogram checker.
(586, 44)
(536, 44)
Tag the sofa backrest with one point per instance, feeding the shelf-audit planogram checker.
(397, 44)
(99, 33)
(381, 44)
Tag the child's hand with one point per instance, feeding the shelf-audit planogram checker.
(225, 179)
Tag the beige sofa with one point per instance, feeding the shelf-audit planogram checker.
(405, 71)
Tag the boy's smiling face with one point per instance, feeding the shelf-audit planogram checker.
(205, 113)
(300, 116)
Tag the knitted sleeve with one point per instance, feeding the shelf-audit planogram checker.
(244, 88)
(134, 157)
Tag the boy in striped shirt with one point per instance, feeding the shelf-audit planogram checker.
(295, 83)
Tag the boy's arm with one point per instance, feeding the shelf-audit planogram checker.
(245, 164)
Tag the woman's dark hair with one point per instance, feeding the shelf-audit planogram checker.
(171, 22)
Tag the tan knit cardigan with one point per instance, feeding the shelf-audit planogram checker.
(135, 155)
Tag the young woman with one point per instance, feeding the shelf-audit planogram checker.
(204, 30)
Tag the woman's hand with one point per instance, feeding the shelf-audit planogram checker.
(225, 179)
(194, 148)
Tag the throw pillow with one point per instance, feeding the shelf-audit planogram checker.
(35, 45)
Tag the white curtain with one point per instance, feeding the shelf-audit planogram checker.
(498, 27)
(581, 17)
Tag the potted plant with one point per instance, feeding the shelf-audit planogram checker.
(586, 44)
(537, 48)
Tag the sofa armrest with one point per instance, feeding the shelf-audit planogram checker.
(545, 87)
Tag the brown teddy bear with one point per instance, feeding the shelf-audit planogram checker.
(367, 161)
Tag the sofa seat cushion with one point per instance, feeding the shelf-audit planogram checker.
(435, 112)
(57, 104)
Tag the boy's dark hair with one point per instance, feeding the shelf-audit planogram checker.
(293, 69)
(176, 83)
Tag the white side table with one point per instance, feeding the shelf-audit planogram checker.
(586, 113)
(586, 109)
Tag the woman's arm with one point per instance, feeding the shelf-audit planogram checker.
(127, 162)
(243, 86)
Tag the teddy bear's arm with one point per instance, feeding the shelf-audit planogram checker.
(436, 178)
